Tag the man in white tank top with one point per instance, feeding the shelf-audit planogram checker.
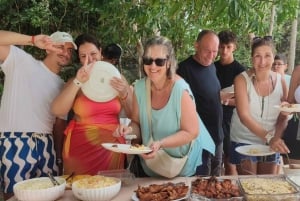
(28, 130)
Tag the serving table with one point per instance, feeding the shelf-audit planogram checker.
(127, 191)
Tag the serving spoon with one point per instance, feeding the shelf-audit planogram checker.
(70, 176)
(53, 180)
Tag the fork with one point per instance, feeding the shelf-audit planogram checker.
(128, 139)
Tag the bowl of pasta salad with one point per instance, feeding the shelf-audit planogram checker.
(38, 189)
(96, 188)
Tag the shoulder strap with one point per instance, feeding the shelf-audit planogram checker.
(148, 99)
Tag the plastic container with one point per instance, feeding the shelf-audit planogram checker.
(126, 177)
(269, 188)
(290, 171)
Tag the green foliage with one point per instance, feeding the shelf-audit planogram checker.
(128, 21)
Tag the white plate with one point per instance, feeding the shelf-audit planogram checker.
(135, 198)
(125, 148)
(255, 150)
(98, 87)
(228, 89)
(294, 108)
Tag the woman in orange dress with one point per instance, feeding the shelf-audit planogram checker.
(93, 122)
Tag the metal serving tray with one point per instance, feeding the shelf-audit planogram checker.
(220, 191)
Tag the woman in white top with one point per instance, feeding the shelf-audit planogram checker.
(255, 119)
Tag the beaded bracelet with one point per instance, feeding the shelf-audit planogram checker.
(32, 40)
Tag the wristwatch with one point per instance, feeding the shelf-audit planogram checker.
(269, 136)
(77, 82)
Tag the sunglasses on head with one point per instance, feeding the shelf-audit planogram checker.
(266, 38)
(158, 61)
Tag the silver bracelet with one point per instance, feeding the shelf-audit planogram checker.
(77, 82)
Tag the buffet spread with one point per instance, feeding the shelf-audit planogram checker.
(121, 185)
(225, 188)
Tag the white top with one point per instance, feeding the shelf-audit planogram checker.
(29, 89)
(239, 132)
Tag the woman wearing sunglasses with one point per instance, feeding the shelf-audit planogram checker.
(255, 120)
(164, 113)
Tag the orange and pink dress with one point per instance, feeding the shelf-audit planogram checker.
(95, 123)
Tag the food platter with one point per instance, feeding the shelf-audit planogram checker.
(135, 198)
(126, 148)
(203, 189)
(228, 89)
(160, 192)
(255, 150)
(268, 187)
(288, 107)
(98, 87)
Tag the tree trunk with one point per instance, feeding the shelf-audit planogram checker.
(292, 52)
(273, 12)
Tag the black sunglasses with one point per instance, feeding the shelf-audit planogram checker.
(159, 61)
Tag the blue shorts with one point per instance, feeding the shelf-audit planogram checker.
(236, 158)
(24, 156)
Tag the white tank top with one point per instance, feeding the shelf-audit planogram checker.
(262, 110)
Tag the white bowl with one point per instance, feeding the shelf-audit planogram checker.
(39, 189)
(289, 171)
(101, 193)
